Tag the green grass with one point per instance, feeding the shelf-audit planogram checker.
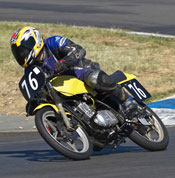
(151, 59)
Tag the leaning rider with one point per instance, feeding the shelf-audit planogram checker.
(60, 54)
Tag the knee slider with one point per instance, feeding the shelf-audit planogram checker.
(105, 83)
(91, 78)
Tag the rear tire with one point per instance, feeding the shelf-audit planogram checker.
(75, 145)
(146, 141)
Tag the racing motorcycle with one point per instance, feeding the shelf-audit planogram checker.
(75, 120)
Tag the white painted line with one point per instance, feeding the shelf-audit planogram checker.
(166, 115)
(150, 34)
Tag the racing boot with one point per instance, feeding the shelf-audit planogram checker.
(130, 105)
(127, 101)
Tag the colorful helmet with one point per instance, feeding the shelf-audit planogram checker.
(26, 44)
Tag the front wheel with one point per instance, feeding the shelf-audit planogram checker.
(74, 144)
(153, 135)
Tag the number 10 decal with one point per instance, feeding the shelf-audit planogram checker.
(137, 90)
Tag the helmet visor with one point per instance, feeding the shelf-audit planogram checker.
(29, 43)
(20, 53)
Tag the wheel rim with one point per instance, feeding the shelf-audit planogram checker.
(154, 132)
(76, 141)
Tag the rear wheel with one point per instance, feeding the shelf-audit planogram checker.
(149, 132)
(74, 144)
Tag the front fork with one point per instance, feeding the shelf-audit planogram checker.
(59, 105)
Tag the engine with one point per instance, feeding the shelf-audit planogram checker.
(103, 118)
(85, 109)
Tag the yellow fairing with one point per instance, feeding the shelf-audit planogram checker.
(44, 105)
(129, 77)
(48, 104)
(69, 86)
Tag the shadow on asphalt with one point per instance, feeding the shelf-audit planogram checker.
(35, 155)
(120, 149)
(53, 156)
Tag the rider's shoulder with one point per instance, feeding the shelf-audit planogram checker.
(54, 42)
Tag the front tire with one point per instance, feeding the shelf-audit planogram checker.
(154, 137)
(74, 144)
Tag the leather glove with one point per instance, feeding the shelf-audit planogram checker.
(60, 66)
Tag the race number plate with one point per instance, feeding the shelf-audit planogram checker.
(137, 90)
(31, 82)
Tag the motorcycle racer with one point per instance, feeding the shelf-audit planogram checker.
(59, 54)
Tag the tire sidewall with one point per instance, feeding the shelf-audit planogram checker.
(147, 144)
(54, 144)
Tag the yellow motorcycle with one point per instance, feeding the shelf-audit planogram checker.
(75, 120)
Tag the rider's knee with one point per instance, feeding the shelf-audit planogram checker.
(100, 81)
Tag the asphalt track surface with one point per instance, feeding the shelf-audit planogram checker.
(139, 15)
(25, 154)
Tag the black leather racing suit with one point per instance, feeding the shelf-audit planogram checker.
(61, 54)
